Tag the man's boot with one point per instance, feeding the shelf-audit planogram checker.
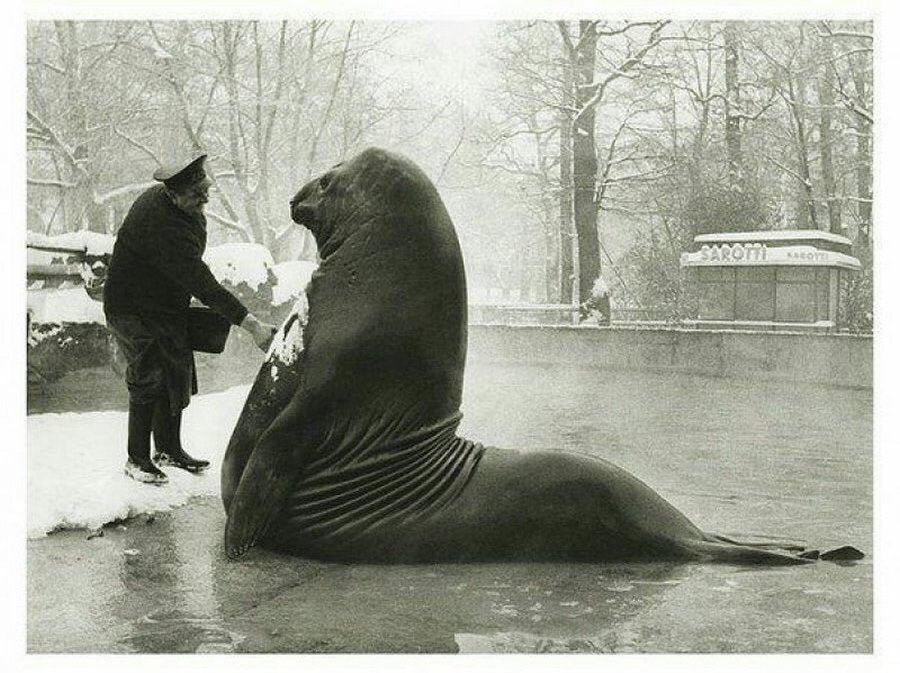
(167, 438)
(139, 466)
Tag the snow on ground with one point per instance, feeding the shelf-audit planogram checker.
(75, 463)
(237, 262)
(91, 241)
(61, 305)
(292, 280)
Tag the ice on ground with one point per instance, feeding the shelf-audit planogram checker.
(240, 262)
(76, 461)
(46, 306)
(293, 278)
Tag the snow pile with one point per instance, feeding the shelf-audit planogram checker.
(293, 278)
(600, 288)
(61, 305)
(240, 262)
(75, 464)
(91, 241)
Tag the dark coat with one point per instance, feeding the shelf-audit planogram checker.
(155, 268)
(157, 264)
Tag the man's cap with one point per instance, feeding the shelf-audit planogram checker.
(181, 174)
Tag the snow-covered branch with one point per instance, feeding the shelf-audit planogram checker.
(228, 224)
(567, 39)
(513, 171)
(825, 30)
(136, 143)
(653, 40)
(634, 177)
(101, 199)
(529, 132)
(50, 66)
(604, 178)
(854, 105)
(628, 26)
(53, 137)
(794, 174)
(61, 184)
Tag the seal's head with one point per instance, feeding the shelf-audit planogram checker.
(356, 191)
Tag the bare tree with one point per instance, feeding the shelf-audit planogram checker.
(592, 85)
(826, 87)
(732, 105)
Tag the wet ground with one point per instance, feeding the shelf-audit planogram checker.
(738, 457)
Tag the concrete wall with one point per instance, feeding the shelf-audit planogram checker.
(840, 360)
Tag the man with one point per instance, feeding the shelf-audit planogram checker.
(155, 268)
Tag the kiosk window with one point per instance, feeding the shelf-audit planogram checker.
(716, 290)
(795, 294)
(754, 294)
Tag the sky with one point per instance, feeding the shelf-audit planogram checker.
(448, 59)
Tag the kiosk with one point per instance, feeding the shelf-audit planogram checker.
(787, 279)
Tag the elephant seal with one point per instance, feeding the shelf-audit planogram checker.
(347, 448)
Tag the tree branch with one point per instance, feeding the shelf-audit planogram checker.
(567, 39)
(139, 145)
(229, 224)
(101, 199)
(790, 172)
(53, 137)
(652, 41)
(60, 184)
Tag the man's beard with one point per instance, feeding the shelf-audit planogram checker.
(196, 209)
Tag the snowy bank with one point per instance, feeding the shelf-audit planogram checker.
(238, 263)
(75, 463)
(293, 278)
(61, 305)
(91, 242)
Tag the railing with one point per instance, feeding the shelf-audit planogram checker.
(554, 314)
(566, 314)
(523, 314)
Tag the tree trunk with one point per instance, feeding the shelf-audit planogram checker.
(863, 155)
(87, 214)
(551, 252)
(584, 165)
(566, 216)
(732, 107)
(254, 216)
(797, 103)
(238, 140)
(826, 139)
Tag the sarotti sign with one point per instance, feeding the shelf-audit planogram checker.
(735, 251)
(759, 254)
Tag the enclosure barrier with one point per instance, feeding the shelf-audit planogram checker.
(828, 359)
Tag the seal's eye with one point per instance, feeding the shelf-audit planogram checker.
(324, 181)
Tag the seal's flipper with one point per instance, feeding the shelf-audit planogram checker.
(845, 553)
(268, 477)
(727, 552)
(266, 481)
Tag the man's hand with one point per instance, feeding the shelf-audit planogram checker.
(261, 332)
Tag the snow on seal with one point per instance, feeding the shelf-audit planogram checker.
(288, 342)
